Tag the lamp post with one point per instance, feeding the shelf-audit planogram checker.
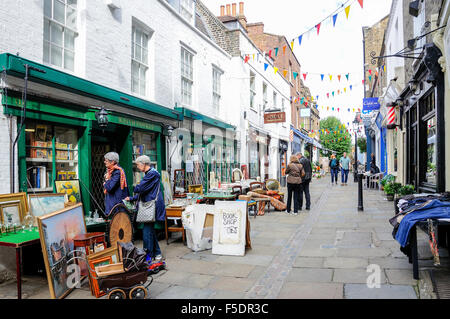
(355, 169)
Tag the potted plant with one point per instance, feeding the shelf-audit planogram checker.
(390, 191)
(406, 190)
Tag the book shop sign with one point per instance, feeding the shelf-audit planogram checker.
(278, 117)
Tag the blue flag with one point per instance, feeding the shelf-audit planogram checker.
(300, 40)
(334, 19)
(265, 66)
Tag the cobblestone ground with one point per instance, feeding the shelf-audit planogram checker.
(321, 253)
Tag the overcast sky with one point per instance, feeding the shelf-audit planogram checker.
(336, 50)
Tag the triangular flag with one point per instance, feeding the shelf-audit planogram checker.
(339, 91)
(276, 51)
(339, 77)
(270, 53)
(265, 66)
(292, 45)
(334, 19)
(285, 72)
(347, 11)
(246, 59)
(370, 71)
(349, 111)
(360, 3)
(332, 93)
(295, 75)
(347, 76)
(376, 73)
(362, 81)
(345, 90)
(300, 40)
(304, 76)
(284, 50)
(330, 77)
(253, 57)
(275, 69)
(328, 96)
(370, 78)
(317, 97)
(318, 28)
(321, 76)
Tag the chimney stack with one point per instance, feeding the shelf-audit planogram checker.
(241, 8)
(228, 10)
(242, 19)
(222, 10)
(234, 9)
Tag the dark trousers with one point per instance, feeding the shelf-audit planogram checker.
(293, 189)
(305, 189)
(151, 245)
(334, 175)
(344, 175)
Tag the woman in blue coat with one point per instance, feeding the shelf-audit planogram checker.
(146, 191)
(115, 185)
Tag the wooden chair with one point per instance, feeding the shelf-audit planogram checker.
(174, 212)
(258, 185)
(274, 185)
(237, 190)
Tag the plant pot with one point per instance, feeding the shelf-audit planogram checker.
(389, 197)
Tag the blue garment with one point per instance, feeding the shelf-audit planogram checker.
(435, 209)
(334, 175)
(150, 241)
(114, 193)
(344, 175)
(146, 191)
(333, 163)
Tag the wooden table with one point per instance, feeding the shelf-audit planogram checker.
(174, 212)
(17, 241)
(89, 239)
(211, 198)
(262, 205)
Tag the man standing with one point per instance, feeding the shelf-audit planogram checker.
(344, 162)
(305, 181)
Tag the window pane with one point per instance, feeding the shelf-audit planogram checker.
(138, 37)
(56, 34)
(69, 40)
(46, 30)
(69, 60)
(46, 52)
(71, 20)
(56, 56)
(145, 41)
(48, 8)
(431, 151)
(137, 52)
(144, 56)
(72, 3)
(59, 11)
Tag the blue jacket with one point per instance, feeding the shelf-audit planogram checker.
(435, 209)
(146, 191)
(114, 193)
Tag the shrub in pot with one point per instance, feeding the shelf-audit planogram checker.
(390, 191)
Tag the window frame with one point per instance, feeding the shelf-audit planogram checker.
(252, 89)
(216, 85)
(141, 64)
(187, 79)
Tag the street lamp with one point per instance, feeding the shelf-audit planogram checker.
(355, 169)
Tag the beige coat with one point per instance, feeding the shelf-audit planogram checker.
(294, 172)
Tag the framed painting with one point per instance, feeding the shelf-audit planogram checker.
(43, 204)
(71, 188)
(21, 197)
(11, 213)
(57, 231)
(95, 289)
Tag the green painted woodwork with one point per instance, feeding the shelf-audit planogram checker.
(84, 166)
(46, 117)
(206, 119)
(15, 65)
(22, 160)
(125, 138)
(54, 163)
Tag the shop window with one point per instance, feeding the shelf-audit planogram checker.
(187, 78)
(51, 154)
(139, 60)
(253, 160)
(60, 32)
(143, 144)
(275, 99)
(430, 176)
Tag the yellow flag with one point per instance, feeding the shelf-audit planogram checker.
(275, 69)
(253, 57)
(330, 77)
(353, 110)
(347, 11)
(292, 45)
(345, 90)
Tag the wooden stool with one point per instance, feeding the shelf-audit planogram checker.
(174, 212)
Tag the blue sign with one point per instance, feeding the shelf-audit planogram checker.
(371, 104)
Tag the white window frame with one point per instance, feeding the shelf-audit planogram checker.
(265, 102)
(252, 89)
(275, 98)
(187, 9)
(187, 76)
(140, 62)
(51, 21)
(217, 86)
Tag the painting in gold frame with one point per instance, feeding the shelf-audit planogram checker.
(57, 231)
(22, 197)
(46, 203)
(12, 210)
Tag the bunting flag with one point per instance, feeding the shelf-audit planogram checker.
(304, 76)
(370, 71)
(334, 19)
(284, 50)
(265, 66)
(328, 95)
(285, 73)
(246, 59)
(347, 11)
(292, 45)
(270, 54)
(361, 3)
(332, 93)
(275, 69)
(370, 78)
(295, 75)
(331, 77)
(276, 51)
(318, 28)
(347, 75)
(363, 82)
(321, 76)
(300, 40)
(339, 78)
(345, 90)
(350, 87)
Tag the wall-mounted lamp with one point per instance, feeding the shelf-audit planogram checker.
(169, 129)
(102, 118)
(414, 8)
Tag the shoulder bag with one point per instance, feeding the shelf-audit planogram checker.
(147, 210)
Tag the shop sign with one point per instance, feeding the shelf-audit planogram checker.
(371, 104)
(278, 117)
(305, 112)
(138, 124)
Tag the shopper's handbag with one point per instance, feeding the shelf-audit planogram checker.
(147, 210)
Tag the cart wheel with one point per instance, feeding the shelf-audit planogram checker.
(139, 292)
(117, 294)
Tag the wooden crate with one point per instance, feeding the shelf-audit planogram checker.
(107, 270)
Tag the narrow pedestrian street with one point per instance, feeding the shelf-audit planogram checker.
(323, 253)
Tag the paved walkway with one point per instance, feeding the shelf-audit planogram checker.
(322, 253)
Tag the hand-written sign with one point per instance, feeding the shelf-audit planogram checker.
(278, 117)
(229, 232)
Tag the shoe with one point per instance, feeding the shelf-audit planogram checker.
(158, 258)
(307, 208)
(295, 214)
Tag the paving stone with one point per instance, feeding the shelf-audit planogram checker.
(180, 292)
(308, 262)
(301, 290)
(358, 276)
(359, 291)
(226, 294)
(310, 275)
(258, 260)
(234, 270)
(400, 277)
(321, 252)
(361, 252)
(239, 285)
(345, 262)
(391, 263)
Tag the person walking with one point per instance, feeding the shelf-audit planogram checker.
(334, 169)
(115, 184)
(306, 180)
(344, 162)
(294, 182)
(147, 190)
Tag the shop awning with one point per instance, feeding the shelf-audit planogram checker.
(302, 136)
(15, 65)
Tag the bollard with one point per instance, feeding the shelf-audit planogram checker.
(360, 193)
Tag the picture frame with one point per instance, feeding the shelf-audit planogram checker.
(46, 203)
(95, 289)
(114, 252)
(21, 197)
(12, 209)
(71, 188)
(56, 231)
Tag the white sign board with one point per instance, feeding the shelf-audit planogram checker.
(305, 112)
(230, 221)
(193, 218)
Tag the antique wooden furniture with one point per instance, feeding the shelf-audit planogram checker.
(256, 185)
(262, 201)
(174, 212)
(211, 198)
(236, 190)
(88, 240)
(179, 181)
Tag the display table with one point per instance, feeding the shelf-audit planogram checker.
(212, 197)
(17, 241)
(174, 212)
(262, 202)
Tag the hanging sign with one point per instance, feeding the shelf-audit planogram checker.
(371, 104)
(391, 117)
(278, 117)
(305, 112)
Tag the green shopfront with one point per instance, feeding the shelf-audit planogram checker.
(61, 138)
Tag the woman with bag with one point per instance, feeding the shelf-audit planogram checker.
(334, 169)
(295, 172)
(115, 185)
(150, 206)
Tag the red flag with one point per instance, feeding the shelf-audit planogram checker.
(362, 81)
(360, 3)
(318, 28)
(246, 58)
(370, 72)
(270, 53)
(339, 77)
(304, 76)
